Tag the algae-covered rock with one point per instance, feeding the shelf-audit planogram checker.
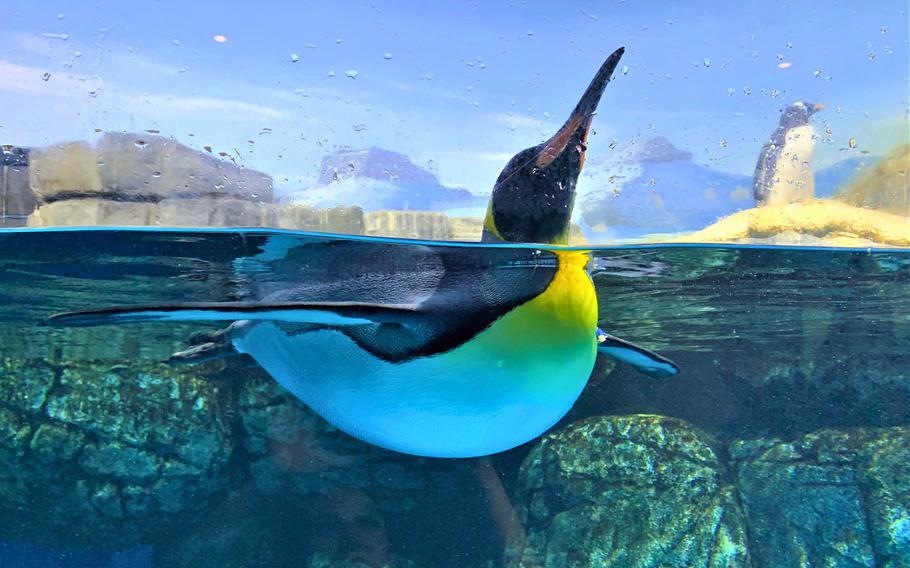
(629, 491)
(838, 498)
(886, 187)
(92, 455)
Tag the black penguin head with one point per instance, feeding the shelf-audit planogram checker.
(534, 195)
(798, 113)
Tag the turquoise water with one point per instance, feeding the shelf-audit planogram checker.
(784, 437)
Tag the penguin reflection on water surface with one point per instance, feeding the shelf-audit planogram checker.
(469, 358)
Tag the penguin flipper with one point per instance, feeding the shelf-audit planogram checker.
(340, 314)
(644, 361)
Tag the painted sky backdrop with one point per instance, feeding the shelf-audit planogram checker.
(457, 86)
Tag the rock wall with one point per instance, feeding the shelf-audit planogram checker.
(886, 187)
(428, 225)
(85, 459)
(16, 198)
(648, 491)
(133, 167)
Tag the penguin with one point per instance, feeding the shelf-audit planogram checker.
(783, 173)
(434, 351)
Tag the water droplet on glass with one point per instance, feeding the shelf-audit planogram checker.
(884, 29)
(530, 32)
(789, 45)
(730, 92)
(723, 142)
(387, 56)
(852, 143)
(360, 127)
(156, 174)
(817, 72)
(207, 149)
(351, 73)
(747, 91)
(337, 40)
(652, 182)
(295, 58)
(780, 56)
(331, 73)
(871, 56)
(93, 93)
(178, 44)
(707, 62)
(61, 16)
(97, 130)
(46, 76)
(613, 144)
(426, 77)
(774, 93)
(625, 70)
(153, 131)
(140, 144)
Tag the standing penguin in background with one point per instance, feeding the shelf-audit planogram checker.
(784, 170)
(444, 352)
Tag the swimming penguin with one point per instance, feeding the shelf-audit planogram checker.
(436, 351)
(783, 173)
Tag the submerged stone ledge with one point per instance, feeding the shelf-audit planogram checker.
(643, 490)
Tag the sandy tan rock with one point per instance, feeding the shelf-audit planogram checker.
(886, 187)
(91, 212)
(211, 212)
(823, 221)
(64, 169)
(428, 225)
(155, 165)
(343, 219)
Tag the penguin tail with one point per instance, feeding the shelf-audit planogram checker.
(643, 360)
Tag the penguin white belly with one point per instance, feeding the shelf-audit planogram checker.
(477, 399)
(793, 178)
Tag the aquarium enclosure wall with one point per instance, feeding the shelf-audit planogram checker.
(451, 284)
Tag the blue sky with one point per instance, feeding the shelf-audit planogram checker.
(458, 86)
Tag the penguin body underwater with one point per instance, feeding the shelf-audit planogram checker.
(455, 352)
(784, 173)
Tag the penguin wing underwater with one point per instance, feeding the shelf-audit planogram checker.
(396, 302)
(450, 352)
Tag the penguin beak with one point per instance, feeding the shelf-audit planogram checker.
(575, 131)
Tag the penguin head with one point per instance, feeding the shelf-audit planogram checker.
(798, 113)
(534, 195)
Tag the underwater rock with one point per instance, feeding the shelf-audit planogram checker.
(886, 187)
(830, 498)
(100, 456)
(357, 497)
(635, 490)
